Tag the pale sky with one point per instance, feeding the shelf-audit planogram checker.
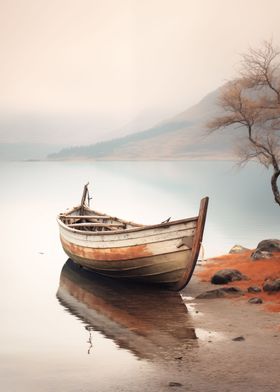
(116, 60)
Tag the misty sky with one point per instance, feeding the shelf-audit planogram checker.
(92, 66)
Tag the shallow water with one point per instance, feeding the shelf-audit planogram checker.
(59, 333)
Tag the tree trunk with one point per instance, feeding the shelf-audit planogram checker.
(274, 186)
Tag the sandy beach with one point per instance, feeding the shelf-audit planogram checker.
(218, 362)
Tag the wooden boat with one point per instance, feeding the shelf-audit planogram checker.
(164, 253)
(125, 313)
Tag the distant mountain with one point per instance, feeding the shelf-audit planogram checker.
(26, 151)
(181, 137)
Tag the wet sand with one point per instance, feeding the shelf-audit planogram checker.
(219, 363)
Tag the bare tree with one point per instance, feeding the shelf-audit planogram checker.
(252, 102)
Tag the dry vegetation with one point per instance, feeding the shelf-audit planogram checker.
(257, 272)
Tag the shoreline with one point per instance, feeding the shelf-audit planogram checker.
(256, 271)
(237, 341)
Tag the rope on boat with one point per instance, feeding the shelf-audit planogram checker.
(202, 252)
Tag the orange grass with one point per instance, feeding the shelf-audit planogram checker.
(257, 272)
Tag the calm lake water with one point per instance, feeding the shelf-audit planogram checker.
(61, 333)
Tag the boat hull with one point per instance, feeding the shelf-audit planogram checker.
(163, 254)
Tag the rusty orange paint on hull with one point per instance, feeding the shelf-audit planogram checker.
(107, 254)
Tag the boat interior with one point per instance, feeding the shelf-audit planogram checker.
(85, 219)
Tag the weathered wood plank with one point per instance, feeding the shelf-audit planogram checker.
(126, 252)
(115, 239)
(87, 217)
(92, 224)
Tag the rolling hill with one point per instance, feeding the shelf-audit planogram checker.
(183, 136)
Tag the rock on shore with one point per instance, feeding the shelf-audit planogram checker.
(221, 293)
(265, 249)
(227, 275)
(238, 249)
(271, 285)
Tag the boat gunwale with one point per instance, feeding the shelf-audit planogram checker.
(123, 231)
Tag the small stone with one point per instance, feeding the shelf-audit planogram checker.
(254, 289)
(238, 339)
(178, 358)
(271, 285)
(175, 384)
(238, 249)
(221, 293)
(227, 275)
(255, 300)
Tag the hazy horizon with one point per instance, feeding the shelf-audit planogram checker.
(78, 72)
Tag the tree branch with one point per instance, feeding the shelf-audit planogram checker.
(252, 102)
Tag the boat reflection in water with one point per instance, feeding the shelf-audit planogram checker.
(151, 323)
